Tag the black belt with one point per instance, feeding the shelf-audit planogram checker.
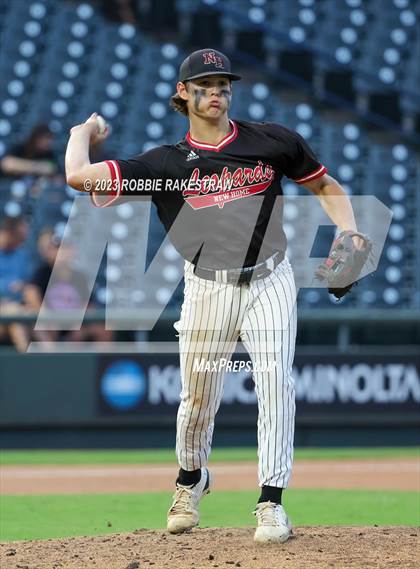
(243, 275)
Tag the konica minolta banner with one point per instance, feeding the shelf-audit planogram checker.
(347, 389)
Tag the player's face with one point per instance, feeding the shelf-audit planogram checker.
(209, 96)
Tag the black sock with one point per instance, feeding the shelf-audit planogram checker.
(270, 494)
(188, 477)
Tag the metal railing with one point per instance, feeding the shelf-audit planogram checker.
(322, 315)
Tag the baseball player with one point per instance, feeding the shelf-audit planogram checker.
(219, 203)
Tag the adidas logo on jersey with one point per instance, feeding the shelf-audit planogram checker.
(192, 156)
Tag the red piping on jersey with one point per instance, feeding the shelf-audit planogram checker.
(215, 147)
(114, 169)
(118, 169)
(309, 177)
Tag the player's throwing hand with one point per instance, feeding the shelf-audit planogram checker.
(99, 129)
(81, 174)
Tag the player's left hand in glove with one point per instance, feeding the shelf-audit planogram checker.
(345, 262)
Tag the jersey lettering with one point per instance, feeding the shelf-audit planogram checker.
(227, 186)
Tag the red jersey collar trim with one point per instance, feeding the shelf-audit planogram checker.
(230, 137)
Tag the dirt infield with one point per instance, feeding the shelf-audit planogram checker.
(312, 547)
(206, 548)
(378, 474)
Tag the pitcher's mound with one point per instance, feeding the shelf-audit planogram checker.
(312, 547)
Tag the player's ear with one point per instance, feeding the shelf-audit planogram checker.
(182, 90)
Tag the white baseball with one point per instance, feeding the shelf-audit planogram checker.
(101, 124)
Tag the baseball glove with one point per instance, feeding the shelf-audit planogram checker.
(344, 263)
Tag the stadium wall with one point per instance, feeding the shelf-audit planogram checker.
(130, 400)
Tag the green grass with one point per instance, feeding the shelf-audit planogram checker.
(42, 517)
(160, 456)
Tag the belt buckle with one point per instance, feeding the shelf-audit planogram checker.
(253, 273)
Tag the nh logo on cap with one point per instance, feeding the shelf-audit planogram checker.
(210, 57)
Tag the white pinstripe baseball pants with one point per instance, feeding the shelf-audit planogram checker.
(213, 316)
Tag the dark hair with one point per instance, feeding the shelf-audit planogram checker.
(9, 223)
(178, 104)
(37, 132)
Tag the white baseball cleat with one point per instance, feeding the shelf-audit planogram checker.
(184, 514)
(273, 524)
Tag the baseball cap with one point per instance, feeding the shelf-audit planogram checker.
(206, 62)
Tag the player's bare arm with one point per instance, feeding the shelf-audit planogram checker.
(77, 163)
(326, 188)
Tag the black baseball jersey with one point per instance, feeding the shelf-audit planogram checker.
(217, 200)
